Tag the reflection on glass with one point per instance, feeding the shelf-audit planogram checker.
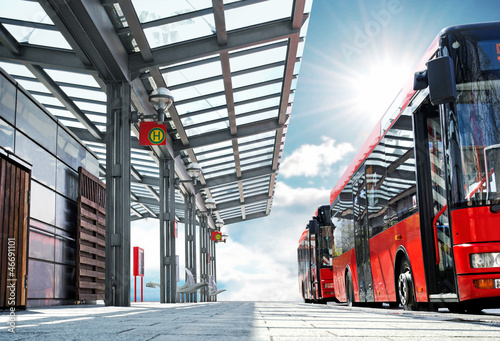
(7, 99)
(250, 60)
(36, 36)
(180, 31)
(35, 123)
(174, 7)
(258, 13)
(44, 163)
(43, 203)
(40, 279)
(6, 136)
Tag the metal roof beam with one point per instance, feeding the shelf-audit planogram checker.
(225, 135)
(176, 53)
(245, 175)
(248, 200)
(247, 217)
(46, 57)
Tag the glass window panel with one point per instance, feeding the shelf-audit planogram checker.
(72, 77)
(201, 104)
(64, 283)
(41, 226)
(7, 99)
(193, 73)
(91, 164)
(33, 85)
(212, 147)
(44, 163)
(257, 92)
(257, 117)
(25, 10)
(43, 203)
(257, 165)
(256, 137)
(40, 279)
(67, 181)
(269, 143)
(207, 128)
(219, 167)
(41, 246)
(35, 123)
(258, 13)
(38, 36)
(93, 107)
(216, 161)
(267, 150)
(198, 90)
(175, 7)
(48, 100)
(213, 115)
(97, 95)
(257, 76)
(250, 60)
(257, 105)
(254, 159)
(69, 150)
(6, 136)
(214, 175)
(180, 31)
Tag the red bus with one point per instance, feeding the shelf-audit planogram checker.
(416, 215)
(314, 258)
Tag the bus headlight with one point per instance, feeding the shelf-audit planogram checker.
(485, 260)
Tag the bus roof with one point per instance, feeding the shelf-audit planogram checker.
(376, 134)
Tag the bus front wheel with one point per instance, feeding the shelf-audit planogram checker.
(405, 286)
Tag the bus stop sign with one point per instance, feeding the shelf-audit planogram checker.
(152, 133)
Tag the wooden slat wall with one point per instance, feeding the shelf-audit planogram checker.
(91, 235)
(14, 215)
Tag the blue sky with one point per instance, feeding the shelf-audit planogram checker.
(357, 56)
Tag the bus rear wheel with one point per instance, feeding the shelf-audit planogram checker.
(405, 286)
(349, 289)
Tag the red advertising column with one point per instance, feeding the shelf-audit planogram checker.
(138, 270)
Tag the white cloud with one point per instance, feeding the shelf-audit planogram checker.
(312, 160)
(289, 196)
(254, 274)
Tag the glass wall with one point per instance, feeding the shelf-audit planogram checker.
(31, 133)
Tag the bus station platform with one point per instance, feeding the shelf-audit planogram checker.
(243, 321)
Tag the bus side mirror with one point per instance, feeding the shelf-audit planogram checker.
(324, 215)
(440, 78)
(313, 226)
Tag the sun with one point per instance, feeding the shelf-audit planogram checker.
(379, 85)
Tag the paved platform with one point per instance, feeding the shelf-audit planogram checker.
(222, 321)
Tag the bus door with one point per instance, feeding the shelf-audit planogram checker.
(361, 237)
(433, 206)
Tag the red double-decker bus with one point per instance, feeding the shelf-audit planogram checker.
(416, 215)
(315, 258)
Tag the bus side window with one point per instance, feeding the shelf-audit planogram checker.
(377, 196)
(400, 182)
(342, 218)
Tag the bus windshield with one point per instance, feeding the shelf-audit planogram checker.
(478, 112)
(476, 55)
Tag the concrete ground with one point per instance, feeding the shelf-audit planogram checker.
(222, 321)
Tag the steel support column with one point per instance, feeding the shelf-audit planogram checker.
(190, 243)
(204, 256)
(168, 263)
(212, 267)
(118, 130)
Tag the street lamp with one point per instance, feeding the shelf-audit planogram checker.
(161, 99)
(219, 223)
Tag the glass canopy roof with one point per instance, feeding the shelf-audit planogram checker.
(231, 65)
